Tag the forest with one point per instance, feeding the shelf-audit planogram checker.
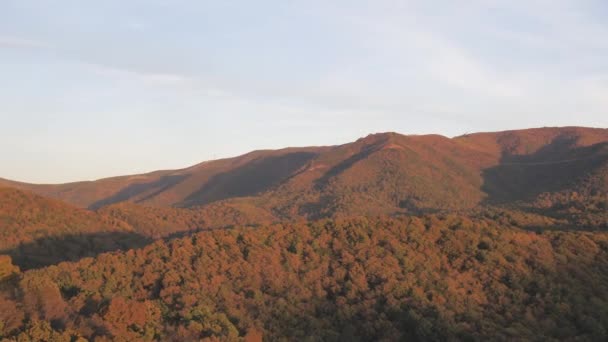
(433, 277)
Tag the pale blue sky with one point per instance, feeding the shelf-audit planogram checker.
(92, 89)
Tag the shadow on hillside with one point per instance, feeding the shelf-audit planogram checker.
(564, 228)
(254, 177)
(553, 168)
(52, 250)
(569, 219)
(151, 189)
(347, 164)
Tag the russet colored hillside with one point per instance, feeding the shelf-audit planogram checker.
(25, 216)
(36, 231)
(199, 184)
(381, 174)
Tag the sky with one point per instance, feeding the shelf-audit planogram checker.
(92, 89)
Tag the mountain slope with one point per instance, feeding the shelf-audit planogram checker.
(25, 216)
(384, 173)
(202, 183)
(535, 161)
(37, 231)
(381, 174)
(391, 173)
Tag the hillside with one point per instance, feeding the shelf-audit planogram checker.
(384, 173)
(428, 278)
(199, 184)
(36, 231)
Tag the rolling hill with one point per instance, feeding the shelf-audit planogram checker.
(37, 231)
(385, 173)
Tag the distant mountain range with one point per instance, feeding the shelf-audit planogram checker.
(386, 173)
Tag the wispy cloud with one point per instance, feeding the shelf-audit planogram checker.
(457, 67)
(19, 42)
(595, 92)
(175, 81)
(447, 54)
(147, 78)
(136, 26)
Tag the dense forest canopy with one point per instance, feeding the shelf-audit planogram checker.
(426, 278)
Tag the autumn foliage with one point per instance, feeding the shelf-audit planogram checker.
(427, 278)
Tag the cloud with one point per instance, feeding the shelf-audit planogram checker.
(595, 93)
(148, 78)
(183, 83)
(18, 42)
(136, 26)
(497, 56)
(457, 67)
(422, 59)
(389, 58)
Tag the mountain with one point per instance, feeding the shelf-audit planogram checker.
(486, 236)
(385, 173)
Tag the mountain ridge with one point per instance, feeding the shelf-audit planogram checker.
(386, 173)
